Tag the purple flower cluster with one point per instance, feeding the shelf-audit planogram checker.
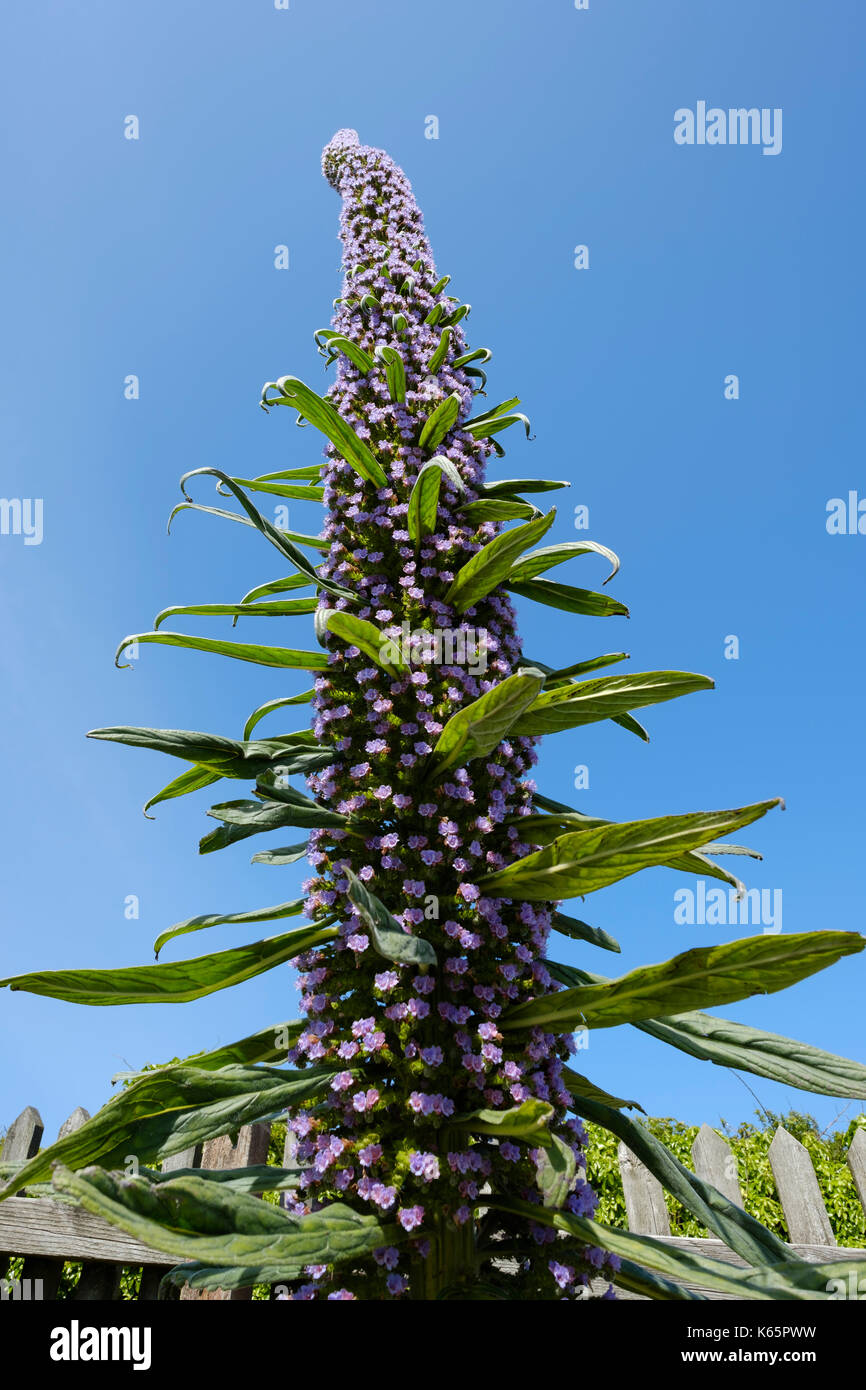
(417, 1048)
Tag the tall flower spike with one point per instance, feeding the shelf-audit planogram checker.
(427, 1035)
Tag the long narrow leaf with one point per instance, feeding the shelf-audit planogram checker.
(489, 566)
(322, 414)
(177, 983)
(283, 657)
(172, 1109)
(588, 860)
(219, 919)
(704, 976)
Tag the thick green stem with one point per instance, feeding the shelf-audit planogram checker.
(453, 1258)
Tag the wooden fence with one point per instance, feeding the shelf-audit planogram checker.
(47, 1232)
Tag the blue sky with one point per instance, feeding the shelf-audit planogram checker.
(155, 257)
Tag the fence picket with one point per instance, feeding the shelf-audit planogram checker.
(857, 1163)
(799, 1193)
(716, 1163)
(644, 1196)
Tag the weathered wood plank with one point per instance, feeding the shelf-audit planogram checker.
(23, 1137)
(187, 1158)
(644, 1196)
(250, 1149)
(715, 1163)
(799, 1193)
(41, 1226)
(79, 1117)
(857, 1163)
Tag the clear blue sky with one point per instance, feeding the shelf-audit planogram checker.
(155, 258)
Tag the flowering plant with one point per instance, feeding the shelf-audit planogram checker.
(437, 1143)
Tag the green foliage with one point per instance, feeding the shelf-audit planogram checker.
(750, 1144)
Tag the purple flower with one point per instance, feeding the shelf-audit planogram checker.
(410, 1217)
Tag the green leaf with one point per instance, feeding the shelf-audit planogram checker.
(507, 487)
(501, 409)
(541, 560)
(424, 499)
(177, 983)
(371, 640)
(281, 540)
(587, 860)
(220, 919)
(361, 359)
(632, 726)
(498, 509)
(704, 976)
(529, 1122)
(387, 935)
(172, 1109)
(495, 419)
(582, 931)
(253, 1180)
(240, 819)
(439, 422)
(579, 668)
(478, 728)
(279, 586)
(279, 489)
(269, 1045)
(288, 854)
(569, 599)
(605, 697)
(691, 862)
(190, 781)
(782, 1282)
(582, 1089)
(283, 657)
(441, 351)
(271, 705)
(286, 608)
(740, 1232)
(489, 566)
(738, 1045)
(424, 503)
(322, 414)
(541, 830)
(311, 473)
(484, 427)
(395, 372)
(478, 355)
(190, 1218)
(557, 1170)
(228, 757)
